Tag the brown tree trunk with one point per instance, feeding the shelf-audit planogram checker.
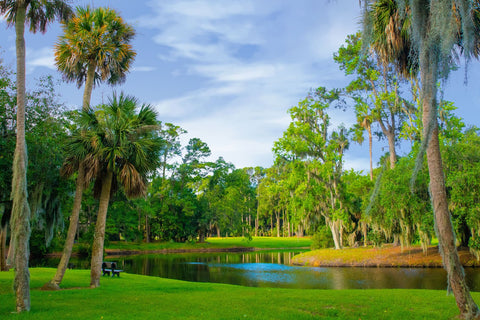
(278, 225)
(389, 132)
(256, 225)
(20, 219)
(99, 235)
(391, 149)
(444, 227)
(3, 249)
(11, 250)
(365, 235)
(147, 229)
(271, 225)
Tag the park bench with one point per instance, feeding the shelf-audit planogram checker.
(110, 268)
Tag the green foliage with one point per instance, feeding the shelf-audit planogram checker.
(376, 237)
(375, 91)
(462, 168)
(307, 177)
(45, 133)
(322, 239)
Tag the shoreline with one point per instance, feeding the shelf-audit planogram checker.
(129, 252)
(385, 257)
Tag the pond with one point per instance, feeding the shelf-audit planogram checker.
(273, 269)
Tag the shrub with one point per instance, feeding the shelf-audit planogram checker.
(322, 238)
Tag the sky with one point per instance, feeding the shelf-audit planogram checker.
(228, 71)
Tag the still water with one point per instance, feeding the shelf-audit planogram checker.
(273, 269)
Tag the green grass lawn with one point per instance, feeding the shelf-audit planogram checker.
(141, 297)
(212, 243)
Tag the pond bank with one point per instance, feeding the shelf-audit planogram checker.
(230, 244)
(387, 256)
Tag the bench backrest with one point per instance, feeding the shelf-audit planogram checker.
(109, 265)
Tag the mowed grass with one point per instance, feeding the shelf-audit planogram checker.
(214, 243)
(141, 297)
(264, 242)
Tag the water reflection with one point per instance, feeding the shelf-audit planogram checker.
(272, 269)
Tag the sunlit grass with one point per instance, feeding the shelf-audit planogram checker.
(212, 243)
(141, 297)
(264, 242)
(386, 256)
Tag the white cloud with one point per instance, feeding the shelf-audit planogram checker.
(143, 69)
(357, 163)
(255, 59)
(236, 72)
(43, 57)
(212, 10)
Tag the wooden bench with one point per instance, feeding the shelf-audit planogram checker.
(110, 268)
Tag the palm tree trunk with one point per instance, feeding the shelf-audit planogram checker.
(443, 223)
(54, 284)
(99, 235)
(20, 220)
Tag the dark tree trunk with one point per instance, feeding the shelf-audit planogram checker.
(201, 236)
(3, 249)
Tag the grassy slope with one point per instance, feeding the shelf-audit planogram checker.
(215, 243)
(142, 297)
(386, 256)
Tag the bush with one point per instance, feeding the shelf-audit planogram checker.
(474, 245)
(376, 237)
(322, 238)
(84, 250)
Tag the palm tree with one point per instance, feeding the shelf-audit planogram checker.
(439, 31)
(95, 47)
(37, 14)
(121, 148)
(364, 122)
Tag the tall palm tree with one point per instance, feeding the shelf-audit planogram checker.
(95, 47)
(364, 122)
(439, 31)
(121, 148)
(36, 14)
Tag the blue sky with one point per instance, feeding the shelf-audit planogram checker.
(227, 71)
